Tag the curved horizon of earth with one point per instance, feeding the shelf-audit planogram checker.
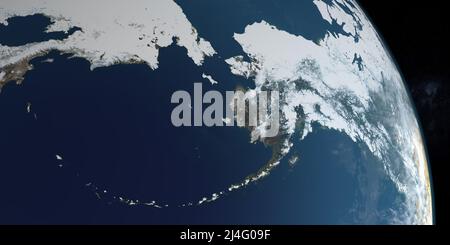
(332, 69)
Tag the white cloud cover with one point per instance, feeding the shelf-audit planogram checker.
(328, 68)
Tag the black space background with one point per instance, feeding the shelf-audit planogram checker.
(417, 32)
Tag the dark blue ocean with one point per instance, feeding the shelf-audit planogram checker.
(112, 127)
(22, 30)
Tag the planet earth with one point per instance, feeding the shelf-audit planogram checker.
(85, 114)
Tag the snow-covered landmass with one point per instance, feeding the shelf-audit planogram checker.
(210, 79)
(110, 34)
(348, 83)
